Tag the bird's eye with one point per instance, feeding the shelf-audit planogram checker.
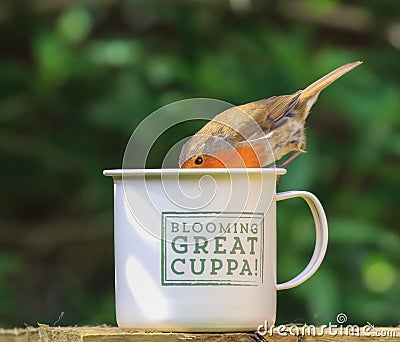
(198, 161)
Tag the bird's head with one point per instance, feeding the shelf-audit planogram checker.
(202, 161)
(205, 151)
(208, 151)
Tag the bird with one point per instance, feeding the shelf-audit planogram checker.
(258, 133)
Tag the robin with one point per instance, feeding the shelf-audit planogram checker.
(258, 133)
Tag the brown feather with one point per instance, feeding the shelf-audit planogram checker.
(310, 94)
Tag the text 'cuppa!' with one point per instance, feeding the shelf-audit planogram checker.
(212, 248)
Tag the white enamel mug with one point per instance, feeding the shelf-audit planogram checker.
(195, 249)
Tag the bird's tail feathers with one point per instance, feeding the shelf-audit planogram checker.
(310, 94)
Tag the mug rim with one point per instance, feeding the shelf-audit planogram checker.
(199, 171)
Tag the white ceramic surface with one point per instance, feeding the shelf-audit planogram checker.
(195, 250)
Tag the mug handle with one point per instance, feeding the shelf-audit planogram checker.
(321, 237)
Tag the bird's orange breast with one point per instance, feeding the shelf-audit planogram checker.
(248, 156)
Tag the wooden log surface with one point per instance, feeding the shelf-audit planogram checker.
(289, 333)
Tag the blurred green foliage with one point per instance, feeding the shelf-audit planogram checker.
(76, 78)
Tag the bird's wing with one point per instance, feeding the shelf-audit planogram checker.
(263, 117)
(270, 113)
